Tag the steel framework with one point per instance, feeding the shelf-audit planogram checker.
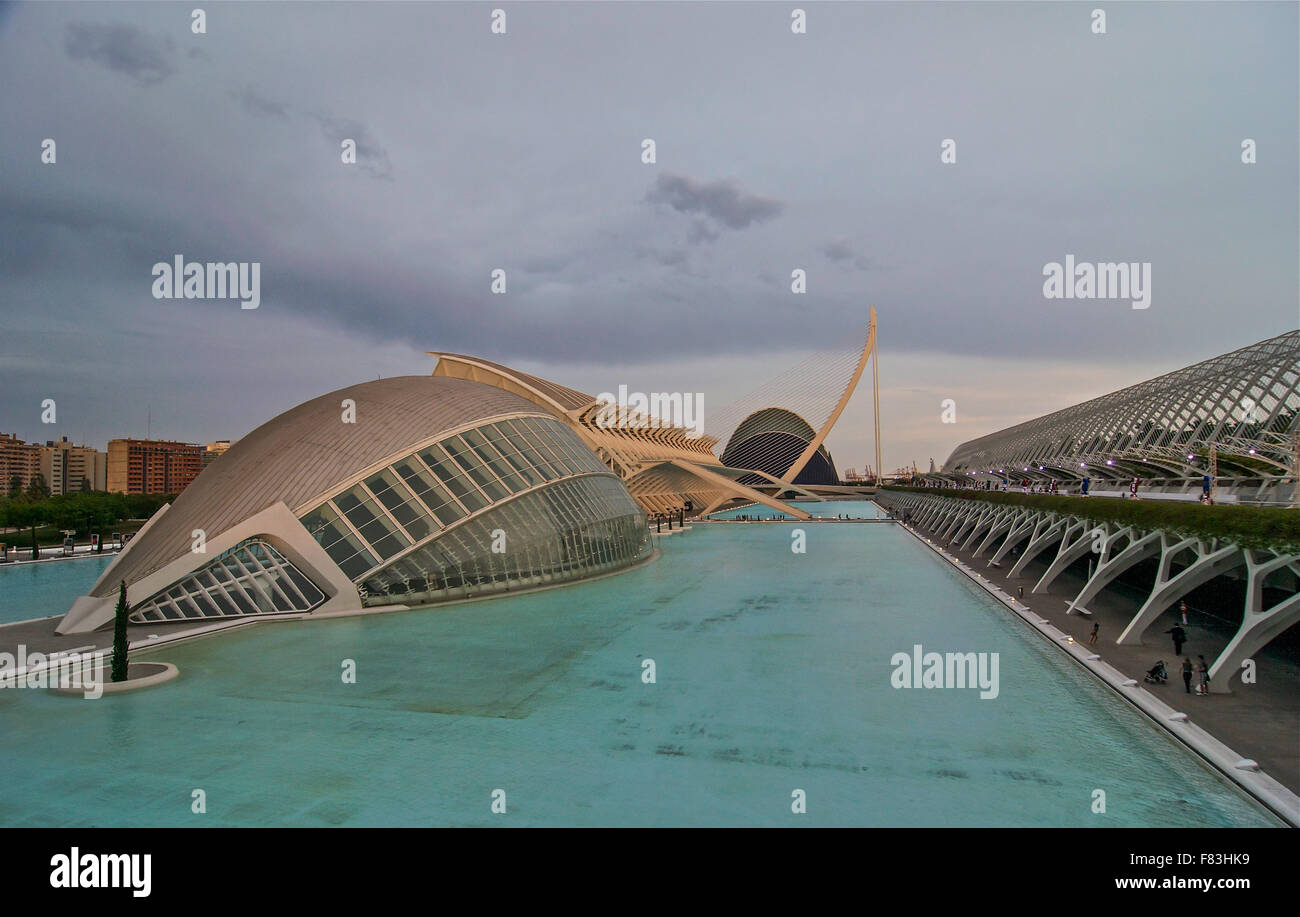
(1244, 405)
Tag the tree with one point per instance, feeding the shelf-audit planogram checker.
(15, 485)
(119, 635)
(38, 489)
(26, 515)
(85, 485)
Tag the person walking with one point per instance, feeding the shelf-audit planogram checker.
(1092, 640)
(1182, 610)
(1187, 674)
(1203, 671)
(1180, 637)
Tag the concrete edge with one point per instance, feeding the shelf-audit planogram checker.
(122, 687)
(1258, 785)
(80, 555)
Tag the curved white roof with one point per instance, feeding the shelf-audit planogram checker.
(303, 452)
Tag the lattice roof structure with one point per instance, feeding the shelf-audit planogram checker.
(1246, 404)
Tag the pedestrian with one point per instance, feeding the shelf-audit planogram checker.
(1182, 610)
(1203, 670)
(1096, 628)
(1187, 674)
(1180, 637)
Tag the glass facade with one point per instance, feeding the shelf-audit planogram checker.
(389, 533)
(572, 529)
(252, 578)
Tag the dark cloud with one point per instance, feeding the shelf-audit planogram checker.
(701, 232)
(672, 258)
(122, 49)
(255, 103)
(550, 264)
(722, 200)
(841, 251)
(371, 157)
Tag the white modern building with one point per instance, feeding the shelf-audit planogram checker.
(409, 490)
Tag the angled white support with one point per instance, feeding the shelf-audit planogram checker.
(958, 518)
(1137, 550)
(972, 519)
(1258, 625)
(936, 513)
(1001, 525)
(1021, 530)
(985, 520)
(946, 517)
(1210, 562)
(1077, 541)
(1048, 532)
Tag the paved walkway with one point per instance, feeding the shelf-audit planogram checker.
(38, 635)
(1260, 721)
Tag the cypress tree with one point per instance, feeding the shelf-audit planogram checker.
(119, 635)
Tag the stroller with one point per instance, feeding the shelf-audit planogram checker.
(1157, 674)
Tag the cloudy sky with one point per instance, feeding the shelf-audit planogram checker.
(522, 151)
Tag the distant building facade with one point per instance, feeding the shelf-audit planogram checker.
(145, 466)
(69, 468)
(212, 450)
(19, 462)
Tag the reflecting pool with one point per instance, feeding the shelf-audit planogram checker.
(772, 674)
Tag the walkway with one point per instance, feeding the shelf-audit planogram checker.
(1260, 721)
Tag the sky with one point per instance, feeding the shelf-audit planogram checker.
(774, 151)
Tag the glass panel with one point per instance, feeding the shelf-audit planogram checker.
(527, 450)
(571, 529)
(473, 465)
(223, 603)
(493, 460)
(370, 522)
(401, 504)
(306, 588)
(511, 454)
(426, 487)
(252, 578)
(528, 428)
(450, 474)
(339, 543)
(241, 600)
(562, 441)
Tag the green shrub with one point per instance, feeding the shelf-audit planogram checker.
(1248, 526)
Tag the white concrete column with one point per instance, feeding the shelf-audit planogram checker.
(1258, 625)
(1211, 561)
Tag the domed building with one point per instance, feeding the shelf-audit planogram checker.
(772, 440)
(404, 491)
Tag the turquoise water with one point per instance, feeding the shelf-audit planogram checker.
(46, 588)
(773, 674)
(854, 509)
